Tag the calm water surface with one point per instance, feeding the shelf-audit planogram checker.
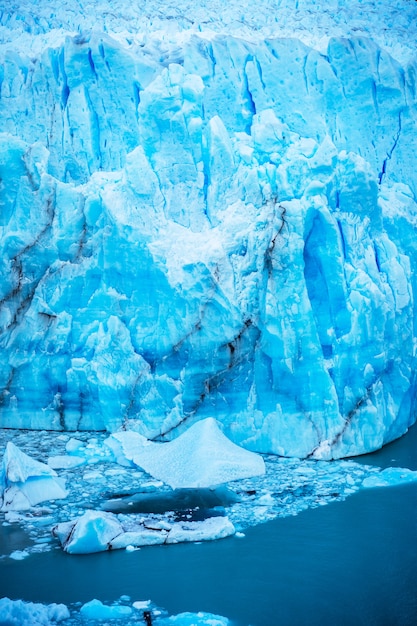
(347, 563)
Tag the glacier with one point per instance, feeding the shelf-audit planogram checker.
(210, 221)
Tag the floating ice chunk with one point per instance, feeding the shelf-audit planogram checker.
(24, 482)
(389, 477)
(141, 604)
(97, 610)
(18, 467)
(92, 532)
(19, 613)
(96, 532)
(125, 446)
(266, 500)
(139, 538)
(94, 476)
(211, 528)
(194, 619)
(65, 461)
(19, 555)
(200, 457)
(73, 445)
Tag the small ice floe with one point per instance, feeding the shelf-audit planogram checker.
(65, 461)
(97, 610)
(194, 619)
(25, 482)
(389, 477)
(140, 605)
(19, 555)
(139, 538)
(98, 531)
(201, 457)
(19, 613)
(209, 529)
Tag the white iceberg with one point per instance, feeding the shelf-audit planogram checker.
(201, 457)
(24, 482)
(208, 529)
(139, 538)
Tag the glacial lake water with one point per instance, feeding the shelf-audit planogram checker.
(346, 563)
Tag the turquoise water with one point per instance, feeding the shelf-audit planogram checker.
(347, 563)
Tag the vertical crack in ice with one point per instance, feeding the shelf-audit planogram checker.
(82, 241)
(17, 266)
(6, 389)
(95, 132)
(215, 380)
(348, 419)
(91, 63)
(251, 110)
(276, 232)
(65, 90)
(390, 152)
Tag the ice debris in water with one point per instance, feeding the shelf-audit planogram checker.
(98, 531)
(288, 487)
(25, 482)
(390, 477)
(97, 610)
(19, 613)
(193, 619)
(201, 457)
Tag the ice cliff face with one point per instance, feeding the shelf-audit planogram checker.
(220, 227)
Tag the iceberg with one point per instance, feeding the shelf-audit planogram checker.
(98, 611)
(215, 223)
(24, 482)
(19, 613)
(92, 532)
(96, 531)
(201, 457)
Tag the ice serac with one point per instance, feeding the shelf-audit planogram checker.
(217, 228)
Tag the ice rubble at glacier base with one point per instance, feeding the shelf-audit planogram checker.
(112, 503)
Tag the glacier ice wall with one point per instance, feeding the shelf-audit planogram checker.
(214, 228)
